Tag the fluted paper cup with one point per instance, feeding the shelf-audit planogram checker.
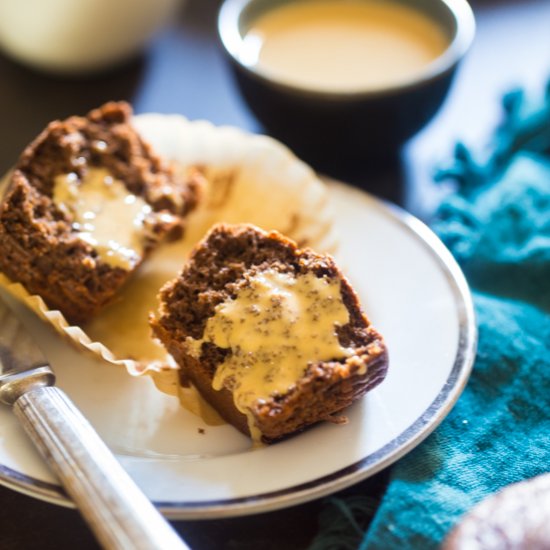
(250, 179)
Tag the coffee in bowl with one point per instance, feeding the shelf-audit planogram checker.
(344, 83)
(337, 46)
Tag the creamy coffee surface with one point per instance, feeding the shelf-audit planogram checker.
(342, 45)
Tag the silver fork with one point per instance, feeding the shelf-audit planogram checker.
(119, 514)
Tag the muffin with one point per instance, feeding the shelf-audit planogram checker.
(85, 204)
(272, 336)
(516, 518)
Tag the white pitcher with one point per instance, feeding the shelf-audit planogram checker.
(79, 36)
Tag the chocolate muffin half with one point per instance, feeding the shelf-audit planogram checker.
(272, 336)
(515, 518)
(86, 202)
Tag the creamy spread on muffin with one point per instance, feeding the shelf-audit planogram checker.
(276, 324)
(271, 335)
(105, 215)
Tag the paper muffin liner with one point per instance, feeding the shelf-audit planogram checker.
(249, 179)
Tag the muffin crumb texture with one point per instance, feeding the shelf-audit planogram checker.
(272, 336)
(84, 205)
(515, 518)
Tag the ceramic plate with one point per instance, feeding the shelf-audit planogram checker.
(412, 291)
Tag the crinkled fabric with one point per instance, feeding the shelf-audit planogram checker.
(497, 225)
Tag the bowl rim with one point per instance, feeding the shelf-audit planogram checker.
(230, 38)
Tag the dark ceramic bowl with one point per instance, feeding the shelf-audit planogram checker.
(334, 129)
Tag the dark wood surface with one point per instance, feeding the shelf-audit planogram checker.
(183, 71)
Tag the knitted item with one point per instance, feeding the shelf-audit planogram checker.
(497, 225)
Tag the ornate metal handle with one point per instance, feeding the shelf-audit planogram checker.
(117, 511)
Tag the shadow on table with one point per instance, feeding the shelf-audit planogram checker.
(54, 527)
(386, 181)
(30, 100)
(292, 528)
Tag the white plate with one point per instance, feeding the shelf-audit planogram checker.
(413, 292)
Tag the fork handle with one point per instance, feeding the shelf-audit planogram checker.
(118, 513)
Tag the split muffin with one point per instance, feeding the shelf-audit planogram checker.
(272, 336)
(84, 205)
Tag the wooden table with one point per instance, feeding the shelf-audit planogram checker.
(184, 72)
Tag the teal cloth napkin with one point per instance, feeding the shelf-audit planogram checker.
(497, 225)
